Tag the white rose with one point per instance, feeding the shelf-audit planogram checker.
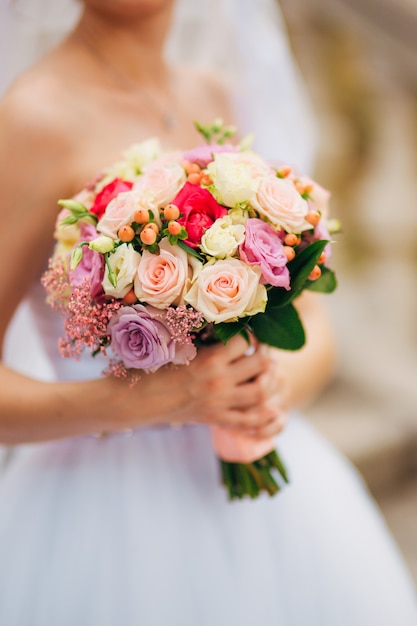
(134, 160)
(66, 234)
(124, 263)
(235, 181)
(226, 290)
(222, 239)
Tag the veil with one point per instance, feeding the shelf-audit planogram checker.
(244, 40)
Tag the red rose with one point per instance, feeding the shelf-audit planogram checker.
(107, 194)
(199, 211)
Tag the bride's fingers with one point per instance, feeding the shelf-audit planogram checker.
(269, 429)
(234, 349)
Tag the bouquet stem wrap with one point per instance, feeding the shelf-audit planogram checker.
(248, 464)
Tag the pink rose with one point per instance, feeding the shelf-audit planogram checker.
(91, 265)
(118, 213)
(106, 195)
(200, 210)
(203, 155)
(278, 200)
(226, 290)
(161, 181)
(263, 247)
(161, 278)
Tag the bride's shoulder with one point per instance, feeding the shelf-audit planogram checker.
(34, 104)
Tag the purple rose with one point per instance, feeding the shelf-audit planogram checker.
(203, 155)
(91, 265)
(141, 339)
(263, 247)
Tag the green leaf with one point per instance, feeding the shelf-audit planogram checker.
(111, 275)
(226, 330)
(76, 257)
(327, 282)
(189, 250)
(299, 268)
(73, 206)
(280, 328)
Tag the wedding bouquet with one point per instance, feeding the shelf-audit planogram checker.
(166, 251)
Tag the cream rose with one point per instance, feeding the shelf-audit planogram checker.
(124, 262)
(236, 181)
(67, 234)
(226, 290)
(223, 238)
(134, 160)
(162, 279)
(161, 181)
(278, 200)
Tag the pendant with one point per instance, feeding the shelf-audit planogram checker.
(169, 121)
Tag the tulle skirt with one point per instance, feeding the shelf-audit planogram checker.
(136, 530)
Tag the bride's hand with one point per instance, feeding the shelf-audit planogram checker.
(224, 385)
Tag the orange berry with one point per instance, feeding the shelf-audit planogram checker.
(174, 228)
(289, 253)
(322, 258)
(299, 186)
(283, 172)
(141, 216)
(171, 212)
(315, 273)
(194, 178)
(291, 240)
(153, 227)
(148, 236)
(130, 297)
(191, 168)
(126, 234)
(206, 180)
(313, 217)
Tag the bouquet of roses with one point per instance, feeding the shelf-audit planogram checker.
(165, 251)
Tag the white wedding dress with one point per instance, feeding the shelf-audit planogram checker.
(137, 530)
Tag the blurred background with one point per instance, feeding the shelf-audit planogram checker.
(359, 59)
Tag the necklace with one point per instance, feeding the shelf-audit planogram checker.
(166, 115)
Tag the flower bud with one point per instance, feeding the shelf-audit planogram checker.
(102, 244)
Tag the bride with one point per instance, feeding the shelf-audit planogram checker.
(133, 528)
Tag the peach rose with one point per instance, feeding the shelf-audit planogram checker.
(161, 279)
(227, 289)
(161, 181)
(119, 212)
(278, 200)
